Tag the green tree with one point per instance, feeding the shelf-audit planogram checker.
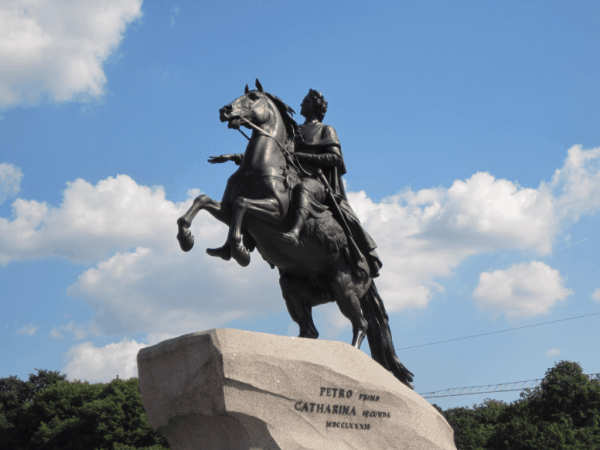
(15, 397)
(473, 427)
(76, 415)
(563, 413)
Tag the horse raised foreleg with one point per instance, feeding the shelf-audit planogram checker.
(217, 209)
(348, 291)
(267, 209)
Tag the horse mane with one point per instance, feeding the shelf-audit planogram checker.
(291, 127)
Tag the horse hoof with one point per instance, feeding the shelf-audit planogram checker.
(290, 238)
(241, 255)
(309, 335)
(185, 238)
(360, 336)
(221, 252)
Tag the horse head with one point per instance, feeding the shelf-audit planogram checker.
(254, 106)
(259, 108)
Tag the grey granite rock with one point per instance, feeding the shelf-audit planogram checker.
(228, 389)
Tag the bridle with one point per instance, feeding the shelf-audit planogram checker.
(290, 157)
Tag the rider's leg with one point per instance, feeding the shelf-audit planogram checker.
(267, 209)
(347, 291)
(297, 294)
(302, 204)
(293, 235)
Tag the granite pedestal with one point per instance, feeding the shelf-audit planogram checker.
(228, 389)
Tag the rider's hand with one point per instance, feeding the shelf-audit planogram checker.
(220, 159)
(307, 157)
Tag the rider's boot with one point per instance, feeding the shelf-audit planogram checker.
(223, 252)
(293, 235)
(240, 254)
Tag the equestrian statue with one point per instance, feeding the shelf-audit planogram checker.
(287, 200)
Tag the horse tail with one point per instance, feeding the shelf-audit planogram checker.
(380, 336)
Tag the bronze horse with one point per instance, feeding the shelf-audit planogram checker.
(255, 207)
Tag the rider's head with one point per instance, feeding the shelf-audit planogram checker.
(319, 104)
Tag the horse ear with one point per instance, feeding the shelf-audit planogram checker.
(259, 86)
(246, 90)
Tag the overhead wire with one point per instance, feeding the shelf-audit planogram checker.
(493, 388)
(500, 331)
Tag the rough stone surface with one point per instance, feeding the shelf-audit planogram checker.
(228, 389)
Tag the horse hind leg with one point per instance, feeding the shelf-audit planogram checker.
(348, 291)
(298, 294)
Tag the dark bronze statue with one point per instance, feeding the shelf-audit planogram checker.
(287, 200)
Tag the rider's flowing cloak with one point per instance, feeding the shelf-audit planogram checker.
(320, 139)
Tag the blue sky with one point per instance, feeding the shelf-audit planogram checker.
(471, 134)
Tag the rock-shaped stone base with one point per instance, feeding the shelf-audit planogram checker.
(238, 390)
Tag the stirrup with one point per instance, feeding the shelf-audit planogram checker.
(290, 237)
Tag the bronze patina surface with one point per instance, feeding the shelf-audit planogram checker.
(287, 201)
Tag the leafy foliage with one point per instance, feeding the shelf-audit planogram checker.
(51, 413)
(563, 413)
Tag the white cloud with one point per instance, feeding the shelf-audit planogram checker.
(91, 223)
(29, 330)
(56, 334)
(138, 280)
(10, 181)
(553, 352)
(154, 287)
(101, 364)
(57, 49)
(523, 290)
(174, 12)
(423, 235)
(79, 331)
(596, 295)
(577, 183)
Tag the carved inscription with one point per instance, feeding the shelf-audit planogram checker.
(348, 425)
(368, 398)
(332, 392)
(378, 414)
(323, 408)
(343, 409)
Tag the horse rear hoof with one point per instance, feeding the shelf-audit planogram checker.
(358, 338)
(186, 240)
(309, 334)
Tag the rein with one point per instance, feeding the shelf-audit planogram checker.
(289, 156)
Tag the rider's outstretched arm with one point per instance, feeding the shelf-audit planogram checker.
(237, 158)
